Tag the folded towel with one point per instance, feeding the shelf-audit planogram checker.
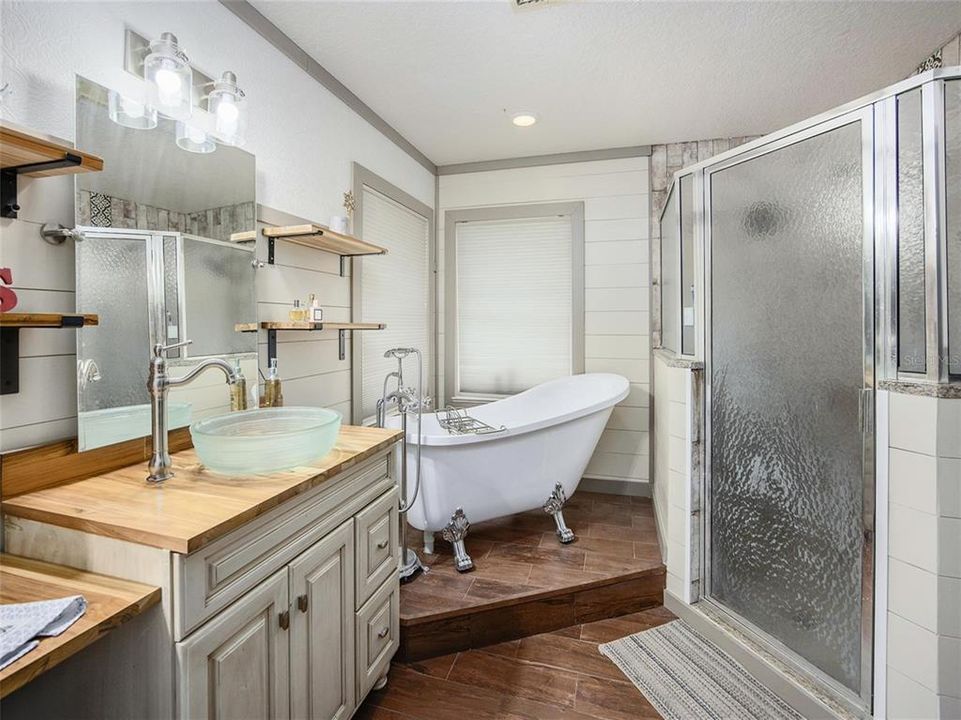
(22, 623)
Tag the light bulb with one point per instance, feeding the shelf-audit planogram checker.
(169, 77)
(227, 103)
(168, 86)
(227, 115)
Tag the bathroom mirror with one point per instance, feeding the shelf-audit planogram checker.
(155, 263)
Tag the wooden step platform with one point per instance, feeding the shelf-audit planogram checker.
(525, 582)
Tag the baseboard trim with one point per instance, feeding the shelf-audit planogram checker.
(798, 696)
(610, 486)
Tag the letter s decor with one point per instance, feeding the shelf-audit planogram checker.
(8, 298)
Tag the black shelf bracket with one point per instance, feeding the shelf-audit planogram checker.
(8, 180)
(9, 360)
(342, 344)
(10, 353)
(271, 346)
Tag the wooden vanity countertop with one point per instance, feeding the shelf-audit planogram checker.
(110, 603)
(194, 507)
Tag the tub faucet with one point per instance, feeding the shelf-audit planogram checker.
(159, 382)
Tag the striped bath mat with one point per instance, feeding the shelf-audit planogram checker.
(687, 677)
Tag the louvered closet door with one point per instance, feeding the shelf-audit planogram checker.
(395, 289)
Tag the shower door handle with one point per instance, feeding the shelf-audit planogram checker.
(866, 410)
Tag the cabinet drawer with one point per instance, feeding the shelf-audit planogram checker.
(376, 541)
(208, 580)
(378, 632)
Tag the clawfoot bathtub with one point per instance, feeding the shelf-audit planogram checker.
(537, 460)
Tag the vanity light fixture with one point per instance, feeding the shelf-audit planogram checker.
(194, 139)
(228, 104)
(524, 119)
(130, 113)
(169, 78)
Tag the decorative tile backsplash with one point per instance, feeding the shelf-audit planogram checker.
(101, 210)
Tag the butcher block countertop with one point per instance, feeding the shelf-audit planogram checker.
(194, 507)
(110, 603)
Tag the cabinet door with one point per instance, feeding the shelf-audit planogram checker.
(235, 666)
(322, 629)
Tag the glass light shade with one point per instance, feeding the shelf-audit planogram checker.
(228, 104)
(194, 139)
(169, 78)
(130, 113)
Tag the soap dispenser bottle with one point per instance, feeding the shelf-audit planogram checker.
(273, 394)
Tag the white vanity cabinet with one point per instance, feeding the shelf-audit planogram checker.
(279, 594)
(313, 638)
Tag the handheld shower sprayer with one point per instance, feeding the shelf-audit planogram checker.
(407, 400)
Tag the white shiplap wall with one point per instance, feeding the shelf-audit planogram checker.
(616, 273)
(304, 162)
(45, 409)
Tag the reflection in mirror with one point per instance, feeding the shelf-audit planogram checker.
(154, 263)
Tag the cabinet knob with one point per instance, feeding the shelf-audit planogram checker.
(284, 619)
(383, 543)
(383, 633)
(302, 603)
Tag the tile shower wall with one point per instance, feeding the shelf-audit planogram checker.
(219, 223)
(672, 468)
(616, 204)
(924, 558)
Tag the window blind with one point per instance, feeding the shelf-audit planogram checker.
(514, 303)
(395, 290)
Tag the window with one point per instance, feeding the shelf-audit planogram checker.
(515, 288)
(670, 270)
(911, 285)
(687, 265)
(395, 288)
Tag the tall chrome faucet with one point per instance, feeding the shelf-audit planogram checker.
(158, 382)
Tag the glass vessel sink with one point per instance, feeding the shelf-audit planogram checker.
(265, 440)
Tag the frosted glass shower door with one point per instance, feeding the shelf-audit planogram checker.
(789, 363)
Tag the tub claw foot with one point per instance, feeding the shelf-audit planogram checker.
(555, 506)
(454, 532)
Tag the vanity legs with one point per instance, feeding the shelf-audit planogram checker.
(454, 532)
(381, 682)
(554, 505)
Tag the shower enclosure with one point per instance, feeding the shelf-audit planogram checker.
(810, 266)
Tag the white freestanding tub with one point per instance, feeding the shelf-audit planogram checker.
(550, 433)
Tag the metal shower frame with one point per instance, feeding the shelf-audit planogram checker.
(878, 117)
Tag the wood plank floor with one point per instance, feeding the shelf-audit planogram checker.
(520, 556)
(525, 582)
(559, 675)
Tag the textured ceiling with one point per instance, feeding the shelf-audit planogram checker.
(448, 75)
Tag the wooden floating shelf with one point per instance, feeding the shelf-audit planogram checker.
(19, 148)
(239, 237)
(46, 320)
(321, 238)
(306, 325)
(110, 603)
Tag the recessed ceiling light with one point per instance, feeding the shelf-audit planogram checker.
(524, 119)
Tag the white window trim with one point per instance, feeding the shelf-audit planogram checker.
(363, 177)
(508, 212)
